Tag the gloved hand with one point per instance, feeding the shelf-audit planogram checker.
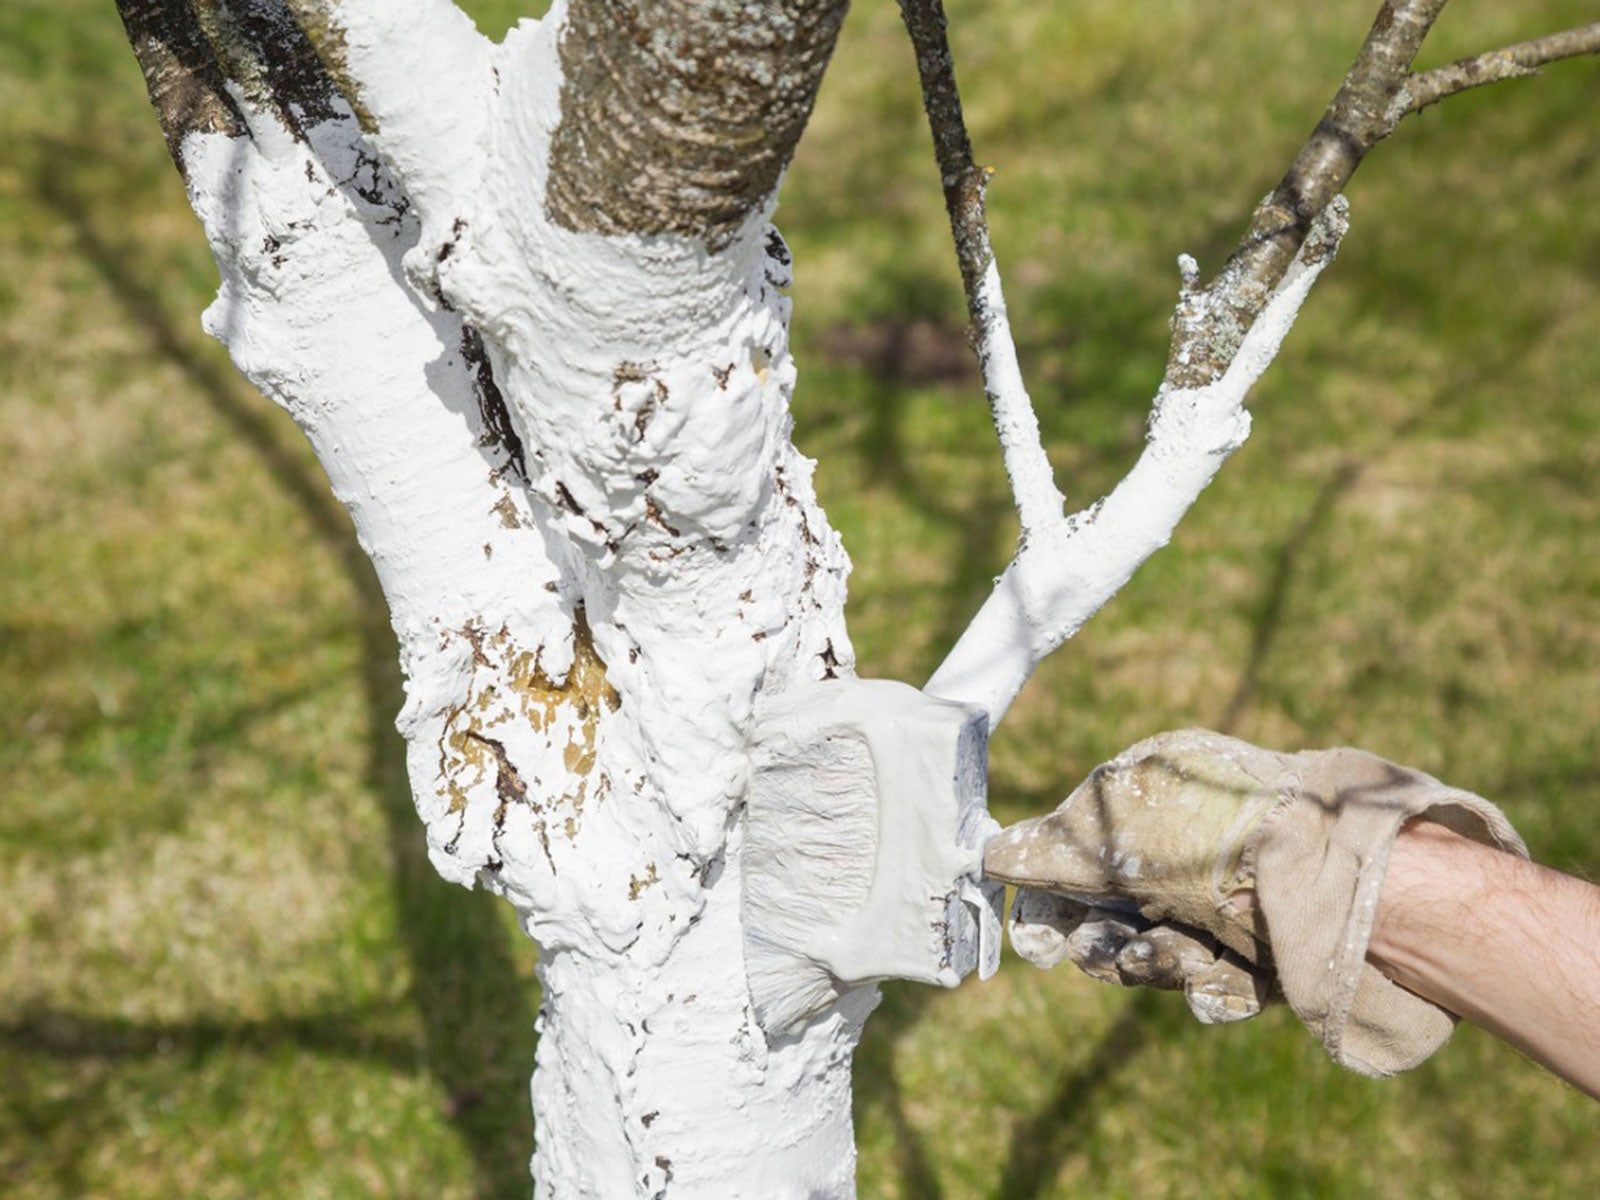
(1201, 862)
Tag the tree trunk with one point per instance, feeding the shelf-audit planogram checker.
(547, 371)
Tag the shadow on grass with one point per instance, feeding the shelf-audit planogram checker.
(878, 1086)
(1267, 626)
(1041, 1145)
(1285, 566)
(336, 1033)
(476, 1013)
(1044, 1142)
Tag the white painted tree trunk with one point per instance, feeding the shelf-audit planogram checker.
(582, 646)
(565, 446)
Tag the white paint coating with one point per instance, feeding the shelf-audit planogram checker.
(1065, 570)
(1039, 501)
(650, 384)
(427, 82)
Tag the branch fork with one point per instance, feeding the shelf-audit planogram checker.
(1225, 333)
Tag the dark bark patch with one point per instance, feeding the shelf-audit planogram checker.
(830, 661)
(498, 431)
(654, 515)
(180, 71)
(190, 49)
(325, 37)
(276, 62)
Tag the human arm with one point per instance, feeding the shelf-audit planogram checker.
(1512, 946)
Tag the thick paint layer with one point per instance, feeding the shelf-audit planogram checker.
(584, 646)
(1067, 568)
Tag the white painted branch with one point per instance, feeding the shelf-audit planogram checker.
(420, 75)
(1039, 502)
(1064, 573)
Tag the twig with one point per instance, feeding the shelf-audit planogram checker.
(1509, 62)
(1039, 502)
(1209, 326)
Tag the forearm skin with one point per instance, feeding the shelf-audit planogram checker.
(1509, 945)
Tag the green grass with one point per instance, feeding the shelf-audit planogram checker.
(225, 966)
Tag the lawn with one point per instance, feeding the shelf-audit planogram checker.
(226, 968)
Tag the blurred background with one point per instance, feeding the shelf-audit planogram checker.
(226, 968)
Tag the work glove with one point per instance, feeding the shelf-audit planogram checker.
(1200, 862)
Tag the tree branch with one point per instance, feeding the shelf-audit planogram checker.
(1212, 321)
(271, 68)
(1062, 578)
(237, 67)
(1509, 62)
(1224, 334)
(419, 77)
(397, 401)
(187, 88)
(1039, 502)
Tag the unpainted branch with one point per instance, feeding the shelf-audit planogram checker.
(1378, 92)
(964, 182)
(1509, 62)
(1210, 325)
(1039, 502)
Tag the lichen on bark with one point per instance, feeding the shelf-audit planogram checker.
(180, 72)
(679, 116)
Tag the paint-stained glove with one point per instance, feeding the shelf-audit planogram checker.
(1145, 875)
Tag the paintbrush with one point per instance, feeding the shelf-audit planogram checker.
(863, 841)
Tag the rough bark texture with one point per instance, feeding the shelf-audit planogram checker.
(181, 73)
(1212, 322)
(678, 116)
(1509, 62)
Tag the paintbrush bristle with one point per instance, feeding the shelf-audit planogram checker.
(862, 839)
